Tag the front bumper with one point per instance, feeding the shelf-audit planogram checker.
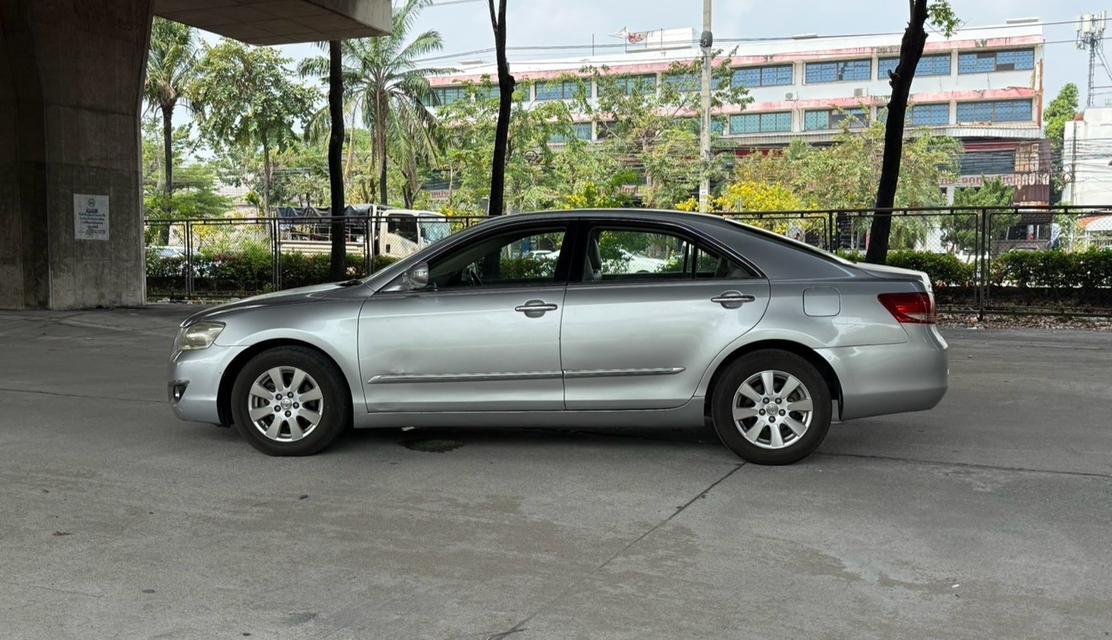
(193, 385)
(892, 378)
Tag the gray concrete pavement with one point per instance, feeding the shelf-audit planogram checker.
(987, 517)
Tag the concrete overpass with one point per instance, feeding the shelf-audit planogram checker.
(71, 79)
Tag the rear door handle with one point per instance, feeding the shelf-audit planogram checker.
(733, 299)
(535, 308)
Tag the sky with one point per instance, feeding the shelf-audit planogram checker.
(465, 24)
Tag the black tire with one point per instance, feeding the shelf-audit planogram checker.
(334, 418)
(725, 393)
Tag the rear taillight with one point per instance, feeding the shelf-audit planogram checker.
(911, 308)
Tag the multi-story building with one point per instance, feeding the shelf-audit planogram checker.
(983, 85)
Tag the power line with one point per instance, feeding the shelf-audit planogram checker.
(693, 42)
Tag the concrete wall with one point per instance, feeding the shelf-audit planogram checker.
(70, 124)
(1087, 156)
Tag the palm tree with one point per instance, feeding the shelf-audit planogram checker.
(171, 67)
(383, 81)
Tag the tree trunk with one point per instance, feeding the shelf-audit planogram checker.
(351, 148)
(506, 85)
(911, 50)
(338, 270)
(168, 152)
(267, 175)
(380, 143)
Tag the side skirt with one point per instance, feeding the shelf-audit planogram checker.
(689, 415)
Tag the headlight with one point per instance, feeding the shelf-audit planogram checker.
(200, 335)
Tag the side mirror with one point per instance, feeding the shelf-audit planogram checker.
(417, 277)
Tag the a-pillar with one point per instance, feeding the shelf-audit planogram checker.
(71, 77)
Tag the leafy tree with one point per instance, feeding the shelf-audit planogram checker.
(506, 84)
(942, 16)
(585, 176)
(960, 231)
(1061, 110)
(469, 132)
(195, 195)
(171, 67)
(844, 175)
(385, 82)
(643, 125)
(245, 100)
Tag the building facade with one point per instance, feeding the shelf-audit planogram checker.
(984, 86)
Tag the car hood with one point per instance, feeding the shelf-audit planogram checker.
(278, 298)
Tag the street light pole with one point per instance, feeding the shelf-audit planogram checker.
(706, 40)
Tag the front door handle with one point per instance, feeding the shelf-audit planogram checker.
(733, 299)
(535, 308)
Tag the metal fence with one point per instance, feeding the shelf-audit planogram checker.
(1044, 260)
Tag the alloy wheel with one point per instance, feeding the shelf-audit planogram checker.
(772, 409)
(285, 404)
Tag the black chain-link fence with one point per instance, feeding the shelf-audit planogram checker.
(1045, 260)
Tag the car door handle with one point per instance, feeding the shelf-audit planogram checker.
(733, 299)
(535, 308)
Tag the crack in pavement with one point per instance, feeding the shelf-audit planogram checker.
(967, 465)
(520, 626)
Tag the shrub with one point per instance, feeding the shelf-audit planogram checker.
(240, 273)
(1054, 269)
(944, 269)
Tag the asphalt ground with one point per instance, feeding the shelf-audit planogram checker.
(987, 517)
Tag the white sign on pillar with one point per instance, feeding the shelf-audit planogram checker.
(90, 217)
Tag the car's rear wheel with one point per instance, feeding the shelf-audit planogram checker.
(771, 407)
(290, 401)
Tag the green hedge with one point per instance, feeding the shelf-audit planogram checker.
(1090, 269)
(250, 272)
(944, 270)
(247, 273)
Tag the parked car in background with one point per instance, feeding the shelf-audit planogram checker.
(766, 338)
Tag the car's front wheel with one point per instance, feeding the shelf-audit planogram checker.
(290, 401)
(771, 407)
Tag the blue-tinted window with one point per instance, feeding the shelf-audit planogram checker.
(817, 72)
(936, 65)
(987, 163)
(556, 90)
(683, 82)
(644, 84)
(448, 95)
(824, 119)
(695, 125)
(989, 61)
(929, 115)
(581, 130)
(998, 111)
(778, 75)
(744, 123)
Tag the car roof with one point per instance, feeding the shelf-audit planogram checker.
(646, 215)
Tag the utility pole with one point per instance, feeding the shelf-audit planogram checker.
(706, 40)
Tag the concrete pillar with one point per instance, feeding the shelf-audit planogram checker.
(71, 77)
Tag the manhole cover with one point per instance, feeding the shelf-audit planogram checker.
(432, 446)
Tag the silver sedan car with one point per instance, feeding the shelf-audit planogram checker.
(577, 318)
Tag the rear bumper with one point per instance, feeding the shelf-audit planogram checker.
(196, 376)
(892, 378)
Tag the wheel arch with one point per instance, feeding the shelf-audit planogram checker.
(228, 378)
(801, 350)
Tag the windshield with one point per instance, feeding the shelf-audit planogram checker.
(434, 229)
